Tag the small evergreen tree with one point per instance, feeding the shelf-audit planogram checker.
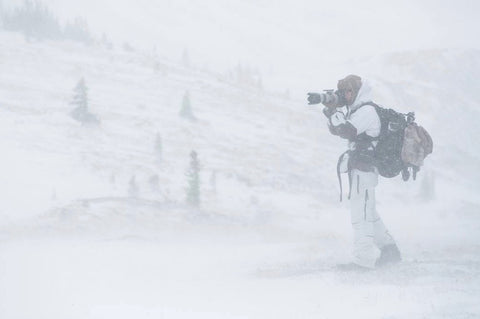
(133, 187)
(193, 175)
(80, 96)
(186, 110)
(80, 101)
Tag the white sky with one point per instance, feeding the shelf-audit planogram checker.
(286, 36)
(378, 24)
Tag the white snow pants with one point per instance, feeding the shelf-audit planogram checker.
(369, 232)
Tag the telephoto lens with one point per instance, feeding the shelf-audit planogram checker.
(328, 98)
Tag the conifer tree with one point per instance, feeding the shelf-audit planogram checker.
(186, 110)
(80, 96)
(80, 101)
(193, 175)
(133, 187)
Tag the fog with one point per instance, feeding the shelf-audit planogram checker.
(293, 42)
(160, 160)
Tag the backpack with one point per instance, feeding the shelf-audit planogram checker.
(402, 144)
(417, 144)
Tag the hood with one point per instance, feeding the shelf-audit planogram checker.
(364, 95)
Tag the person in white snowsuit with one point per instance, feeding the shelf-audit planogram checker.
(360, 124)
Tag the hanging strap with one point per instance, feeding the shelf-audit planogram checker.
(349, 182)
(339, 162)
(339, 175)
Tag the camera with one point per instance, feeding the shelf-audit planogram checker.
(328, 98)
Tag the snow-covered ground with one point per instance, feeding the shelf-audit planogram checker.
(74, 244)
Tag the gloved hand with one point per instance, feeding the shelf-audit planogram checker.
(337, 118)
(313, 98)
(328, 111)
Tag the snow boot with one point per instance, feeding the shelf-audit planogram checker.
(388, 255)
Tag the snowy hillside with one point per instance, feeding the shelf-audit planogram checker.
(74, 243)
(243, 134)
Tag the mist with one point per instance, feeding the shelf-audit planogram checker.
(160, 159)
(293, 42)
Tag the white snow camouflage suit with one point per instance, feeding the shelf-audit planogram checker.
(370, 234)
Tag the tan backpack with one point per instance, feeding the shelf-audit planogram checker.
(417, 144)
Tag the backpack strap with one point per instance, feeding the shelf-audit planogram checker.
(369, 103)
(366, 103)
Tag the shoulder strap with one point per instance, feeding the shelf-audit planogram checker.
(368, 103)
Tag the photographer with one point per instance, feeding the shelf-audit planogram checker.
(350, 118)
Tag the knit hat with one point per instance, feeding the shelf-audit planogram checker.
(351, 82)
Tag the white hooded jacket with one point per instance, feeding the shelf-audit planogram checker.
(364, 119)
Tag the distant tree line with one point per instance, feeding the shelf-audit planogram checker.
(245, 76)
(35, 20)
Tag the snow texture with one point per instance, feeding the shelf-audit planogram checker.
(93, 219)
